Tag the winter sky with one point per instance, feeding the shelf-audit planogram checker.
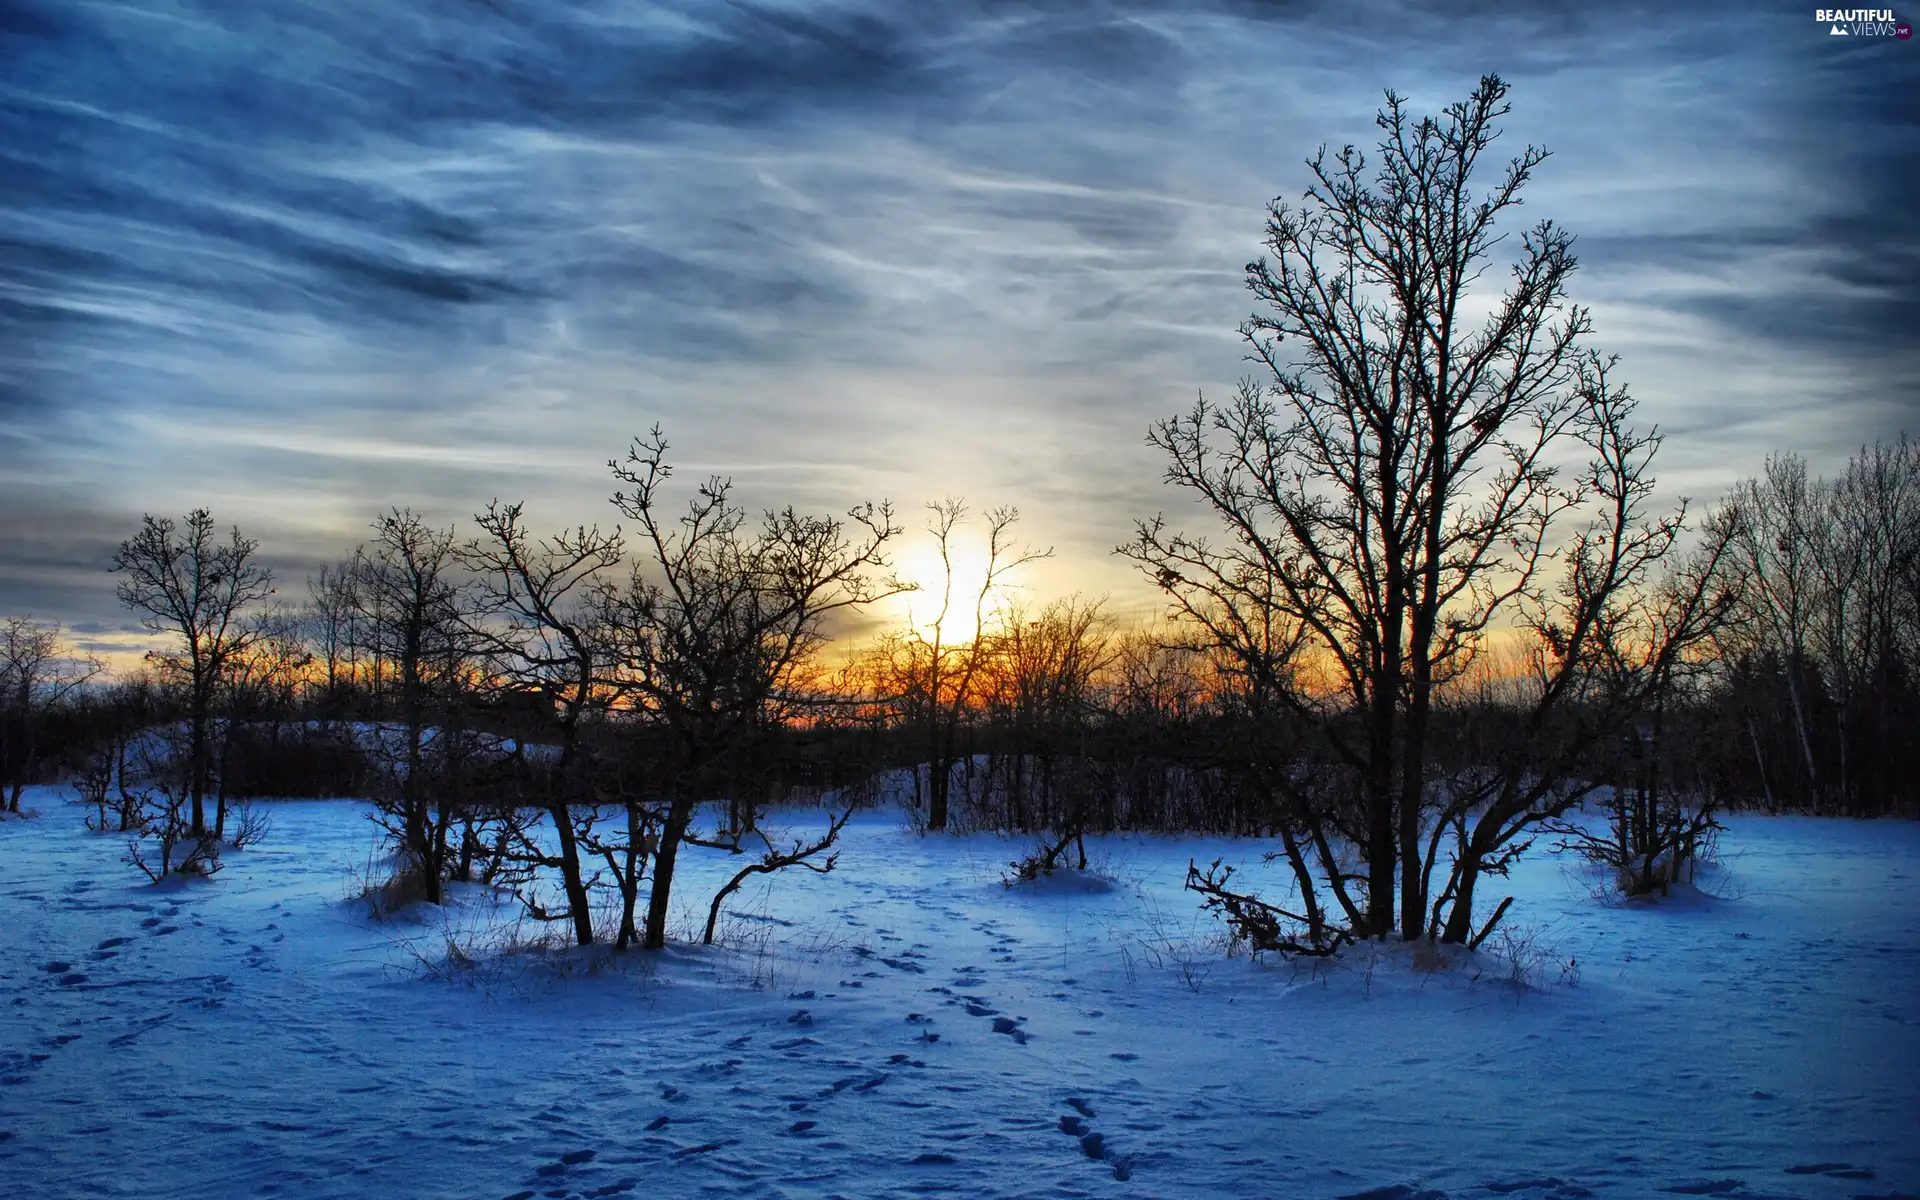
(301, 261)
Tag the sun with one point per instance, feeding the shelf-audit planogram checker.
(953, 585)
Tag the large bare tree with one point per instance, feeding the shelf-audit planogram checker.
(1427, 464)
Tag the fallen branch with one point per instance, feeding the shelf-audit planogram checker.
(1257, 923)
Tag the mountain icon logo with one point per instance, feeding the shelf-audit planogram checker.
(1839, 32)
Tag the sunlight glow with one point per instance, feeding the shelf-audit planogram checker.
(959, 592)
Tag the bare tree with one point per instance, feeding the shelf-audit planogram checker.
(125, 709)
(190, 585)
(718, 630)
(413, 614)
(1395, 492)
(164, 842)
(934, 673)
(550, 643)
(1043, 702)
(1780, 559)
(330, 632)
(37, 676)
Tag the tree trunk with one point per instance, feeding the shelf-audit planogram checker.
(220, 786)
(197, 762)
(571, 879)
(436, 873)
(1459, 928)
(630, 876)
(1800, 728)
(1759, 759)
(1413, 898)
(1380, 814)
(678, 815)
(939, 782)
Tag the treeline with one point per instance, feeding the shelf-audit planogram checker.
(1819, 682)
(1808, 699)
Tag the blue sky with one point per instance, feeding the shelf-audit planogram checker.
(301, 261)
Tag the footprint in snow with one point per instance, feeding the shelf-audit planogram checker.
(703, 1148)
(1560, 1188)
(1831, 1168)
(1011, 1028)
(1093, 1143)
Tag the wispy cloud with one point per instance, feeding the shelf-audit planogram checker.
(302, 260)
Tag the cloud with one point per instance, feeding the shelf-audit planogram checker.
(303, 260)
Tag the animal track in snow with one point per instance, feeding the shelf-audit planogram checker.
(1093, 1143)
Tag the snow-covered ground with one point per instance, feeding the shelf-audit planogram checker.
(908, 1026)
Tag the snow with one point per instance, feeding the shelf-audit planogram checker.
(908, 1025)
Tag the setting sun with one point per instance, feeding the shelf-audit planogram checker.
(951, 587)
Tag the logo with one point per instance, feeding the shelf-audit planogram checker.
(1862, 22)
